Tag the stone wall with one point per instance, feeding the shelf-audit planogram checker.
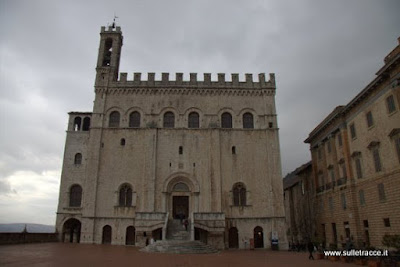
(20, 238)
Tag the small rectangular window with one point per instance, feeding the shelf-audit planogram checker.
(321, 179)
(397, 143)
(353, 131)
(180, 150)
(381, 192)
(370, 119)
(332, 174)
(329, 146)
(391, 106)
(344, 172)
(362, 197)
(386, 222)
(340, 142)
(365, 222)
(358, 168)
(343, 198)
(334, 231)
(377, 159)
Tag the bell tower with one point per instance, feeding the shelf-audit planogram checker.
(109, 55)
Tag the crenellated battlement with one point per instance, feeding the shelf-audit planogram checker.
(207, 82)
(110, 29)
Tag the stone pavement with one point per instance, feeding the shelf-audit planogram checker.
(60, 254)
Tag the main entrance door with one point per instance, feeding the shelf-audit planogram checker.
(180, 206)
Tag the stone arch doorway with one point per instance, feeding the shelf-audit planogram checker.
(180, 199)
(130, 236)
(258, 237)
(180, 195)
(107, 233)
(233, 237)
(71, 232)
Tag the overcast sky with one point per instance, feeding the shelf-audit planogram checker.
(322, 52)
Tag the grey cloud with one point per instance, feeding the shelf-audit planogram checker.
(5, 187)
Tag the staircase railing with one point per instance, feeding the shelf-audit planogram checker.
(192, 227)
(164, 229)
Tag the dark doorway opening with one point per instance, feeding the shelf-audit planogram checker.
(157, 234)
(233, 237)
(180, 207)
(258, 237)
(130, 236)
(107, 233)
(200, 235)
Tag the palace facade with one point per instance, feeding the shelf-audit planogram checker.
(153, 151)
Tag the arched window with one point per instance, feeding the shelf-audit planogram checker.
(125, 196)
(194, 120)
(75, 196)
(226, 120)
(134, 119)
(77, 123)
(169, 120)
(248, 122)
(114, 119)
(86, 124)
(239, 194)
(78, 159)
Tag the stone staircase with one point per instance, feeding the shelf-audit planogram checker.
(176, 231)
(178, 242)
(180, 247)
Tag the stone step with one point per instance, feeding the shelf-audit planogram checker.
(176, 231)
(179, 247)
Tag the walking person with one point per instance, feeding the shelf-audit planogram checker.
(310, 247)
(186, 224)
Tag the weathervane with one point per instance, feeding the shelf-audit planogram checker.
(113, 24)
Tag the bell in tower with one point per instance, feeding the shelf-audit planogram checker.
(107, 53)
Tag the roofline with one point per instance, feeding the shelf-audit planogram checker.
(80, 113)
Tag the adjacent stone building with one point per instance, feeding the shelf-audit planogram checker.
(300, 208)
(356, 163)
(152, 151)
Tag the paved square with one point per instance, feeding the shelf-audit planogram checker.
(60, 254)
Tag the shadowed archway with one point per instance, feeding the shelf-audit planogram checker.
(71, 232)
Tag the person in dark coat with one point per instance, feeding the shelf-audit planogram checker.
(310, 247)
